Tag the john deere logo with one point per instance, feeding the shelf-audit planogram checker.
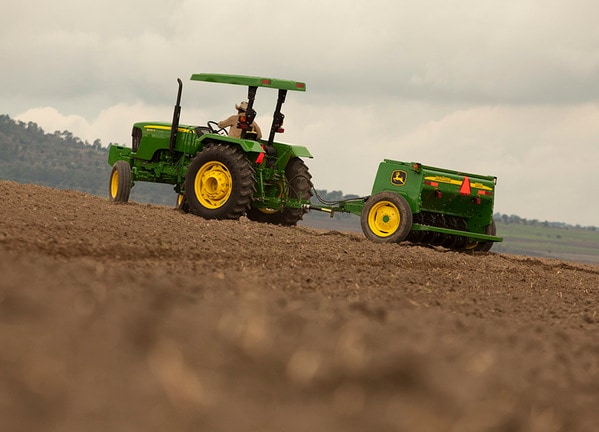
(398, 177)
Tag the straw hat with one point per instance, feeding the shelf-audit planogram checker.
(242, 106)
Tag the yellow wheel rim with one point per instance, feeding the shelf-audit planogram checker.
(114, 184)
(384, 219)
(213, 185)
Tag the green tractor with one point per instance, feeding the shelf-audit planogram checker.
(217, 176)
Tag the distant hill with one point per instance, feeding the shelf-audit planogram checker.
(547, 239)
(30, 155)
(62, 161)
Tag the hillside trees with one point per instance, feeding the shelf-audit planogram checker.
(63, 161)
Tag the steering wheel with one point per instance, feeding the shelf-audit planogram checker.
(213, 126)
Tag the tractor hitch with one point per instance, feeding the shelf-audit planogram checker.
(330, 210)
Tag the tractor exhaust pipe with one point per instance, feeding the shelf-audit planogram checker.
(176, 115)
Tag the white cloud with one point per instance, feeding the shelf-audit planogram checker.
(49, 119)
(112, 125)
(544, 157)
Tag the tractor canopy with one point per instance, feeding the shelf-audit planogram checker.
(250, 81)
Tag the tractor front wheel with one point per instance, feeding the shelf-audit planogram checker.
(120, 182)
(220, 183)
(386, 218)
(182, 203)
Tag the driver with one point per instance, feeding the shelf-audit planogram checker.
(232, 121)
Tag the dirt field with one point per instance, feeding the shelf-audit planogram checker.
(140, 318)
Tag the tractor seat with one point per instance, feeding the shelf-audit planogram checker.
(251, 135)
(201, 130)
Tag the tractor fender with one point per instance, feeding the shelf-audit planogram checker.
(116, 153)
(251, 146)
(248, 146)
(300, 151)
(293, 150)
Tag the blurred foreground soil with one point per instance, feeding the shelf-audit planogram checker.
(137, 317)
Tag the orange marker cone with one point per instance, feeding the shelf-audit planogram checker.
(465, 188)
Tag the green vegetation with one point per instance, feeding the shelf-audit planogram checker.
(28, 155)
(547, 239)
(62, 161)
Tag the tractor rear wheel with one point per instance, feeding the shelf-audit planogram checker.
(386, 218)
(220, 183)
(299, 186)
(120, 182)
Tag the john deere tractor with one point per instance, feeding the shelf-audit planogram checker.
(217, 176)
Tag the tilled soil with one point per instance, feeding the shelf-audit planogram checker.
(132, 317)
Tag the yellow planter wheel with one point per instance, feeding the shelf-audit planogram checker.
(386, 218)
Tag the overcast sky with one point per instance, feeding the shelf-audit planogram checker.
(506, 88)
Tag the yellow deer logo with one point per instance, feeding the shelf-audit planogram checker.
(399, 177)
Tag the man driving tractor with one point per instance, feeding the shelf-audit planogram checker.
(236, 119)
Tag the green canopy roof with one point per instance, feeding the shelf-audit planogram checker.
(250, 81)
